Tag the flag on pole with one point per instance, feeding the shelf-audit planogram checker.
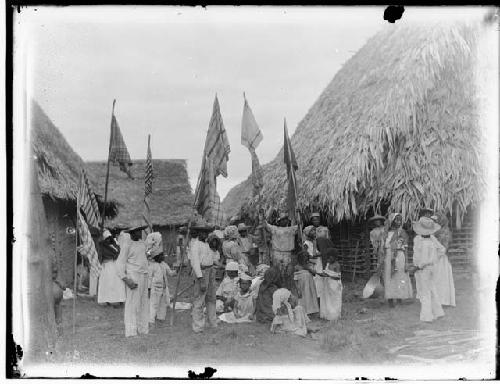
(87, 201)
(87, 248)
(216, 144)
(251, 136)
(291, 167)
(148, 186)
(118, 152)
(206, 194)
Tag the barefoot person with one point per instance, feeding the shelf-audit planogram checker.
(132, 268)
(203, 262)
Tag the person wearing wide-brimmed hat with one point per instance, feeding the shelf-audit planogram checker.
(377, 237)
(111, 289)
(132, 268)
(282, 245)
(397, 283)
(443, 270)
(425, 255)
(203, 261)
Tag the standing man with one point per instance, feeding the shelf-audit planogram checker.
(282, 245)
(132, 268)
(203, 264)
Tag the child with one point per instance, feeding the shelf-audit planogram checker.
(331, 294)
(241, 308)
(159, 296)
(259, 278)
(228, 287)
(289, 317)
(306, 288)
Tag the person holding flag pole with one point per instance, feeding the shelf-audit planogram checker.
(251, 137)
(203, 261)
(283, 235)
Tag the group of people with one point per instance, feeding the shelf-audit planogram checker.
(432, 269)
(282, 288)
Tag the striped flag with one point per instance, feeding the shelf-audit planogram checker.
(148, 186)
(251, 136)
(87, 201)
(291, 167)
(87, 247)
(217, 145)
(206, 195)
(118, 152)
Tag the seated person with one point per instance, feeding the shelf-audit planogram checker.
(228, 287)
(241, 308)
(306, 288)
(264, 304)
(289, 317)
(259, 278)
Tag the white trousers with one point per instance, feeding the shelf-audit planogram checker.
(137, 306)
(427, 294)
(158, 303)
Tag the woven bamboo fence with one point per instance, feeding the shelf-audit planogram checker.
(356, 256)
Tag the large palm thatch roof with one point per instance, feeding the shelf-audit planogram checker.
(397, 124)
(59, 166)
(172, 199)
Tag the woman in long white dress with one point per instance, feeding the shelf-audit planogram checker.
(442, 269)
(397, 283)
(331, 293)
(111, 288)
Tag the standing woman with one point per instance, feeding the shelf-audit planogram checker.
(443, 272)
(111, 288)
(397, 282)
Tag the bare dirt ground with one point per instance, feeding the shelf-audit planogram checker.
(368, 333)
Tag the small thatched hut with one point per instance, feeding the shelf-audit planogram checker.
(171, 202)
(395, 130)
(59, 169)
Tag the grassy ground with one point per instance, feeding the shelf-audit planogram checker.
(364, 334)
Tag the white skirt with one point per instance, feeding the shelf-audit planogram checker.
(443, 279)
(111, 287)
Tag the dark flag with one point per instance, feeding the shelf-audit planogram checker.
(118, 152)
(251, 136)
(205, 194)
(291, 167)
(148, 186)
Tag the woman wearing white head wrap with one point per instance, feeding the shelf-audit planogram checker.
(397, 283)
(289, 317)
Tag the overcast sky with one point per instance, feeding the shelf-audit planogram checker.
(164, 66)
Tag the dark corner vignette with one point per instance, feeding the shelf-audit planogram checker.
(14, 352)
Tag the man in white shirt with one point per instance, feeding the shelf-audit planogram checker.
(203, 262)
(132, 268)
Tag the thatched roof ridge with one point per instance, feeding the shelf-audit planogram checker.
(398, 123)
(172, 199)
(59, 166)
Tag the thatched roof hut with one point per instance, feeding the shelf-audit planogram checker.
(397, 126)
(172, 199)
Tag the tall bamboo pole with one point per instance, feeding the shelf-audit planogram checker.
(103, 214)
(75, 265)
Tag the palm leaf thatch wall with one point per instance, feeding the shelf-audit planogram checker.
(172, 199)
(396, 125)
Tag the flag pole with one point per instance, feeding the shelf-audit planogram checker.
(107, 170)
(75, 264)
(150, 226)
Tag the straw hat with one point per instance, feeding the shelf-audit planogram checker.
(231, 232)
(376, 217)
(425, 226)
(244, 277)
(136, 225)
(232, 266)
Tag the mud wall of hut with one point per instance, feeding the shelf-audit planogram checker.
(63, 243)
(352, 241)
(169, 237)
